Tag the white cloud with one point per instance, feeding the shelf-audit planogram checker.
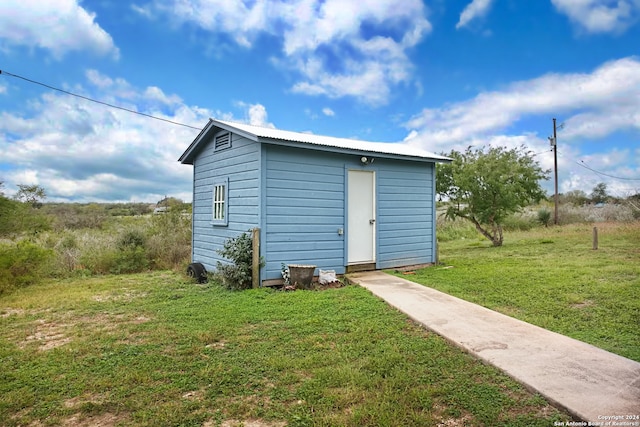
(340, 48)
(600, 16)
(328, 112)
(258, 116)
(253, 114)
(365, 81)
(59, 26)
(474, 10)
(82, 151)
(142, 10)
(596, 104)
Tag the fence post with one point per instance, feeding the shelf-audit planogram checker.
(595, 238)
(255, 259)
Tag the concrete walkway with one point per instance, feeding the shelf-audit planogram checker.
(588, 382)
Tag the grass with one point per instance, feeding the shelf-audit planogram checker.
(551, 277)
(155, 350)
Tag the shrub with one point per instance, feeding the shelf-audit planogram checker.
(17, 218)
(239, 251)
(169, 242)
(67, 253)
(98, 252)
(131, 239)
(172, 251)
(568, 214)
(68, 216)
(448, 230)
(131, 256)
(519, 222)
(130, 260)
(21, 264)
(544, 217)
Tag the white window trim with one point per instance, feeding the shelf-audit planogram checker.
(220, 202)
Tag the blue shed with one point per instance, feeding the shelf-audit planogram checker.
(340, 204)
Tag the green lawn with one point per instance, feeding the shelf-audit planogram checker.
(154, 350)
(554, 279)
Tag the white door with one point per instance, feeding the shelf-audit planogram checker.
(361, 209)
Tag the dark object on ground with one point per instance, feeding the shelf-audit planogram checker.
(197, 271)
(301, 276)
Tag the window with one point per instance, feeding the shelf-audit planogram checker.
(220, 202)
(222, 141)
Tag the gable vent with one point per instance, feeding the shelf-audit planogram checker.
(223, 141)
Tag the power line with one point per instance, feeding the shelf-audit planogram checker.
(584, 165)
(96, 101)
(542, 152)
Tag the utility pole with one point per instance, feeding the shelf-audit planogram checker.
(555, 169)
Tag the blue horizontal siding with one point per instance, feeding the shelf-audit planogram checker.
(397, 240)
(404, 213)
(276, 231)
(304, 207)
(241, 164)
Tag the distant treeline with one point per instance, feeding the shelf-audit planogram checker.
(93, 215)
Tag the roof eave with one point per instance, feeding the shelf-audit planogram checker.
(189, 154)
(355, 151)
(188, 157)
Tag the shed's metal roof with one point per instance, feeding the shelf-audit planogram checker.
(267, 135)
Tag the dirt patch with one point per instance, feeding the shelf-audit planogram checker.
(48, 335)
(140, 319)
(247, 423)
(584, 304)
(194, 395)
(216, 345)
(6, 312)
(465, 419)
(78, 401)
(103, 420)
(126, 296)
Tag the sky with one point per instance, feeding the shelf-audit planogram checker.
(438, 74)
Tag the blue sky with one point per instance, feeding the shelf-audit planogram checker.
(439, 74)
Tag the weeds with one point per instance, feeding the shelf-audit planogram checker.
(21, 264)
(123, 245)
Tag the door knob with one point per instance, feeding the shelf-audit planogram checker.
(371, 221)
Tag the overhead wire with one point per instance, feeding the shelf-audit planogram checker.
(96, 101)
(542, 152)
(584, 165)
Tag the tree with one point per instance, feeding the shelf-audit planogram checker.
(31, 194)
(599, 193)
(486, 187)
(17, 217)
(575, 197)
